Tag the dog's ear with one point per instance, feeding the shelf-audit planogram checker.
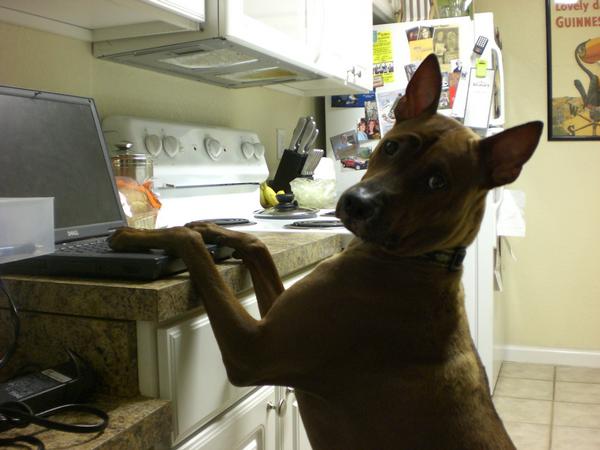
(423, 91)
(505, 153)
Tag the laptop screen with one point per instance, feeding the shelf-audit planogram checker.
(51, 145)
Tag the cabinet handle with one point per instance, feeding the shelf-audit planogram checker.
(279, 407)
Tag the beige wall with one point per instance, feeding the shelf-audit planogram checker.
(39, 60)
(552, 292)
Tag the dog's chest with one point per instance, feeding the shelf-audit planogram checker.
(400, 307)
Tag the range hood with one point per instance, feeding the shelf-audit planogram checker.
(216, 61)
(225, 51)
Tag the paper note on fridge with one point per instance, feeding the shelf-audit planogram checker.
(460, 98)
(510, 219)
(387, 96)
(479, 99)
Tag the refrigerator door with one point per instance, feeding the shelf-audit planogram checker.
(451, 39)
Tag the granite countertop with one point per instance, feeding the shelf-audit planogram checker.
(165, 298)
(133, 423)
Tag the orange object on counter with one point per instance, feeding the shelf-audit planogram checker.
(129, 183)
(591, 51)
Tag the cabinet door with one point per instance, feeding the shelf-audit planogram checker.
(347, 47)
(92, 20)
(293, 435)
(192, 374)
(341, 31)
(250, 425)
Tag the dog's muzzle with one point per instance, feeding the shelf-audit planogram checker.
(359, 206)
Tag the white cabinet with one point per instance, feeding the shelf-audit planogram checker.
(191, 372)
(292, 435)
(345, 50)
(347, 47)
(92, 20)
(332, 38)
(309, 47)
(192, 9)
(181, 361)
(249, 426)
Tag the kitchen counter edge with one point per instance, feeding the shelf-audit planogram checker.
(165, 298)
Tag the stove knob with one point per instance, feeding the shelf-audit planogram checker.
(213, 148)
(259, 150)
(153, 144)
(247, 149)
(171, 145)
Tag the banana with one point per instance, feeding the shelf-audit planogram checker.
(263, 200)
(267, 196)
(270, 196)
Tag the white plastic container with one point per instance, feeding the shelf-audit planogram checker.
(26, 228)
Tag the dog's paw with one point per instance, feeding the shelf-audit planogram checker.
(131, 239)
(125, 239)
(211, 233)
(215, 234)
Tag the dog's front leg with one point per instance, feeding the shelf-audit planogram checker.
(238, 334)
(255, 255)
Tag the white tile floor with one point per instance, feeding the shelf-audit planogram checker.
(546, 407)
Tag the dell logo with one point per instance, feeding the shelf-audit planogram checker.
(72, 233)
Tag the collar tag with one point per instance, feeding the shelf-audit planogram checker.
(457, 259)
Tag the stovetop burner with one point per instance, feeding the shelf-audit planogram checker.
(329, 214)
(230, 222)
(315, 224)
(286, 214)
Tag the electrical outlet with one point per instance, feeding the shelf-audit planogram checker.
(281, 134)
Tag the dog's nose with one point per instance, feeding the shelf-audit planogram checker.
(360, 203)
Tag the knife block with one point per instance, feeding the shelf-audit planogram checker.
(289, 168)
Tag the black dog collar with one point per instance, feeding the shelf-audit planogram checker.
(452, 259)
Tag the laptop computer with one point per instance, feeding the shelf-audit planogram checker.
(51, 145)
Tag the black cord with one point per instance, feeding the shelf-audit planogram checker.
(14, 315)
(20, 418)
(19, 415)
(13, 442)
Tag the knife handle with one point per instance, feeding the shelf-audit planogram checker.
(311, 141)
(300, 126)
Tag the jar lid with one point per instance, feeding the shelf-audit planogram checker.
(131, 159)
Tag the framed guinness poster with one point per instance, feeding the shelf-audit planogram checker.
(573, 53)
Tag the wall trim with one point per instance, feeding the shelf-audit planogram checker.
(554, 356)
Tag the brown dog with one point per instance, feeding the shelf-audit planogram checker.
(375, 340)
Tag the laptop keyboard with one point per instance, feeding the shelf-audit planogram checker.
(99, 245)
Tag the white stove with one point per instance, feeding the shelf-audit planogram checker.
(204, 173)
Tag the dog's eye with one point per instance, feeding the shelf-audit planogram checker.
(408, 142)
(390, 147)
(436, 182)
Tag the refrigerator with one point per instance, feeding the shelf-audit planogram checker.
(398, 48)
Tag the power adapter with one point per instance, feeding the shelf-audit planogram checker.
(66, 383)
